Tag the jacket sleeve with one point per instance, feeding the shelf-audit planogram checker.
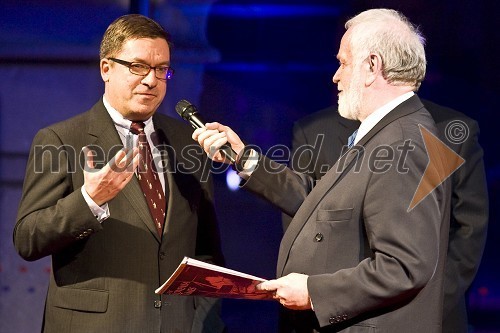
(469, 220)
(299, 139)
(52, 213)
(279, 185)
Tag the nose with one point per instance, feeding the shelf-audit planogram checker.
(336, 76)
(150, 79)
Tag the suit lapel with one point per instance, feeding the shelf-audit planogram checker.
(103, 128)
(331, 178)
(327, 182)
(411, 105)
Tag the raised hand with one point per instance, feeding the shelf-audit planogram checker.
(104, 184)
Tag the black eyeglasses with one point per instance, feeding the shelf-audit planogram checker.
(137, 68)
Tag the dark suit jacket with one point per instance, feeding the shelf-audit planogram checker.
(373, 265)
(317, 144)
(104, 275)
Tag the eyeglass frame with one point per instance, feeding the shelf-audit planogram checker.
(168, 74)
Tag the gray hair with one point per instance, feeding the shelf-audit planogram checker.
(395, 39)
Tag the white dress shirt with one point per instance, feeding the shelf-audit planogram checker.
(128, 139)
(377, 115)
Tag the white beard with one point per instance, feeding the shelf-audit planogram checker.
(350, 99)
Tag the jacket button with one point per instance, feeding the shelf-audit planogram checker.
(318, 237)
(162, 255)
(332, 320)
(157, 304)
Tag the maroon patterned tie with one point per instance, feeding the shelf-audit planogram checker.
(149, 178)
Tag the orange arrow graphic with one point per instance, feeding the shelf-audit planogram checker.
(443, 161)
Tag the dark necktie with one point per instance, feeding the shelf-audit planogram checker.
(350, 140)
(149, 178)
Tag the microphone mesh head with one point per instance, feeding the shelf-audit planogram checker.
(181, 107)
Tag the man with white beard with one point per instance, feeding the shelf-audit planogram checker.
(360, 255)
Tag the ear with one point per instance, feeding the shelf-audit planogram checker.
(374, 68)
(105, 69)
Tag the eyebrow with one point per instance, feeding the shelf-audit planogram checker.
(165, 63)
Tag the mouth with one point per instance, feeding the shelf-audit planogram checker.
(146, 95)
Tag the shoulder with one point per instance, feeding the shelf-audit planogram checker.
(175, 133)
(79, 124)
(319, 118)
(172, 125)
(404, 124)
(442, 114)
(324, 119)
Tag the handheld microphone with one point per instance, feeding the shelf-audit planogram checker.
(189, 113)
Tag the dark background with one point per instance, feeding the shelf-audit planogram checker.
(256, 66)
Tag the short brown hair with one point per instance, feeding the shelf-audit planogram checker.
(132, 26)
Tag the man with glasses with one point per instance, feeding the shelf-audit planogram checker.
(161, 72)
(117, 203)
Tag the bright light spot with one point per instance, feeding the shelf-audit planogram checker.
(232, 180)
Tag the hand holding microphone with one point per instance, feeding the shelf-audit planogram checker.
(220, 142)
(216, 140)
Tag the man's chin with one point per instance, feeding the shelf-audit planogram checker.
(346, 114)
(141, 113)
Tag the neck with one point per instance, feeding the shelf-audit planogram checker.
(377, 98)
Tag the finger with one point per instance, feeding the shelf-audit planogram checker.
(89, 158)
(121, 161)
(267, 285)
(213, 126)
(197, 133)
(127, 162)
(205, 135)
(215, 146)
(224, 128)
(215, 137)
(214, 142)
(129, 172)
(115, 164)
(135, 161)
(219, 127)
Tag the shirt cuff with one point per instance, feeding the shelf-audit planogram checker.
(250, 164)
(100, 212)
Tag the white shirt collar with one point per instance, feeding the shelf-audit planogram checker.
(377, 115)
(123, 123)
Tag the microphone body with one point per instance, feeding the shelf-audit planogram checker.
(189, 113)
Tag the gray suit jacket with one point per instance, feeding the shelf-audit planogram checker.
(325, 132)
(373, 265)
(104, 275)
